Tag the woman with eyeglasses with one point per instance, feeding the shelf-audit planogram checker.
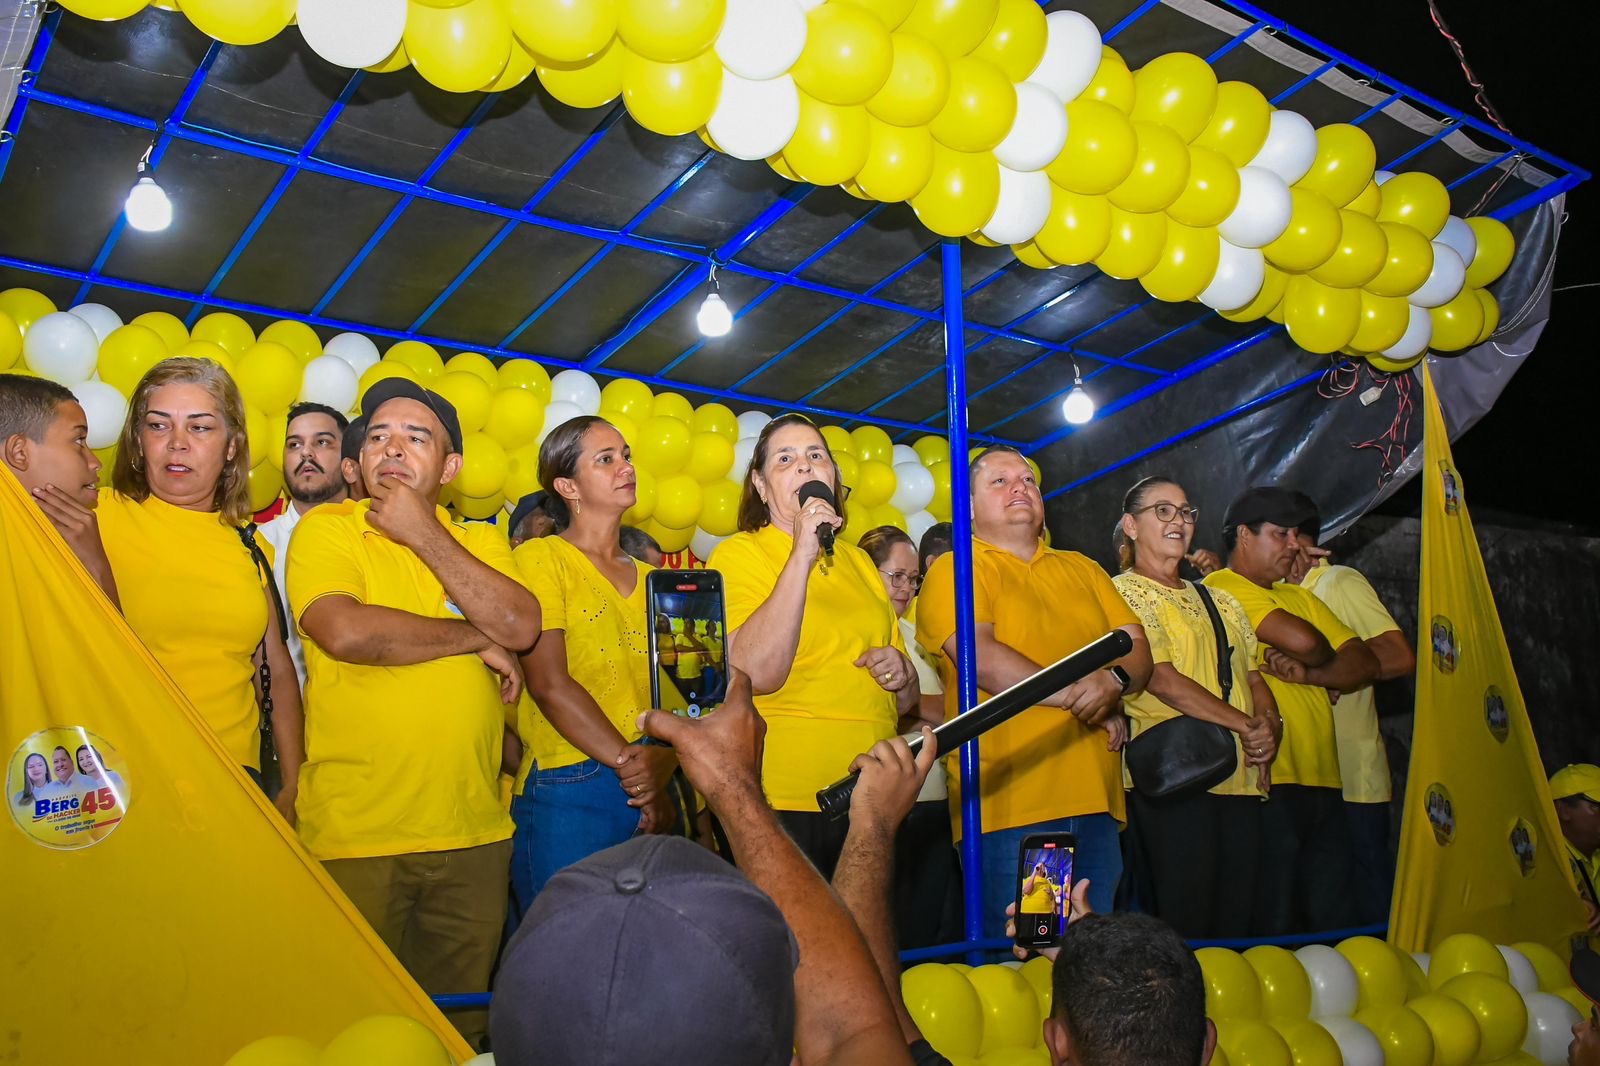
(927, 890)
(1200, 848)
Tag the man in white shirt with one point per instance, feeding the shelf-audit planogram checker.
(312, 470)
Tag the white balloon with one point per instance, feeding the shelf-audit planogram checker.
(62, 347)
(1291, 146)
(486, 1059)
(1381, 176)
(1550, 1022)
(1356, 1043)
(919, 523)
(1449, 273)
(354, 348)
(576, 388)
(1414, 341)
(1333, 982)
(1240, 274)
(703, 543)
(751, 423)
(754, 119)
(101, 319)
(1072, 51)
(761, 39)
(1037, 133)
(913, 487)
(106, 410)
(555, 413)
(329, 379)
(743, 449)
(905, 453)
(1459, 236)
(1022, 208)
(1523, 977)
(1262, 213)
(807, 5)
(1423, 959)
(352, 33)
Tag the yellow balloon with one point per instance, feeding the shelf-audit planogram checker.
(955, 26)
(474, 363)
(26, 306)
(1407, 262)
(678, 501)
(1416, 980)
(917, 85)
(1030, 255)
(1010, 1009)
(1405, 1038)
(1271, 294)
(208, 350)
(1187, 264)
(671, 540)
(663, 447)
(459, 49)
(1496, 246)
(1252, 1043)
(1461, 953)
(519, 64)
(979, 110)
(564, 31)
(674, 405)
(1454, 1029)
(829, 146)
(932, 450)
(1344, 163)
(1457, 324)
(939, 506)
(961, 192)
(838, 440)
(1212, 191)
(1309, 1043)
(710, 458)
(268, 376)
(644, 499)
(1311, 237)
(1239, 124)
(234, 23)
(715, 418)
(782, 168)
(515, 418)
(847, 55)
(1113, 81)
(484, 466)
(1491, 314)
(479, 508)
(945, 1007)
(1232, 988)
(671, 98)
(525, 374)
(849, 469)
(719, 508)
(105, 10)
(1418, 199)
(127, 353)
(1135, 245)
(1367, 201)
(1015, 43)
(628, 396)
(889, 12)
(669, 31)
(266, 485)
(1362, 251)
(625, 426)
(301, 340)
(1177, 90)
(385, 1038)
(1077, 229)
(875, 483)
(871, 442)
(10, 342)
(1100, 150)
(473, 400)
(1160, 170)
(397, 60)
(1502, 1016)
(276, 1051)
(1383, 322)
(229, 330)
(169, 327)
(1393, 366)
(591, 83)
(422, 358)
(1380, 980)
(1323, 319)
(899, 161)
(380, 370)
(1285, 988)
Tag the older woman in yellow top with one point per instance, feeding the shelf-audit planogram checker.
(587, 783)
(1200, 849)
(189, 565)
(818, 638)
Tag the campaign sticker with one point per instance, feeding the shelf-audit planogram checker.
(1451, 483)
(1494, 713)
(1445, 649)
(1441, 813)
(67, 787)
(1524, 843)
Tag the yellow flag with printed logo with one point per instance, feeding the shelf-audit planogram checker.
(155, 907)
(1480, 849)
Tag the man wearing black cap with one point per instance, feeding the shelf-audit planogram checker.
(1305, 653)
(408, 619)
(532, 519)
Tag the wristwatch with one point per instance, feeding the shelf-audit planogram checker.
(1122, 678)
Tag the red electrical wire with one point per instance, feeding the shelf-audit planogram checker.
(1480, 95)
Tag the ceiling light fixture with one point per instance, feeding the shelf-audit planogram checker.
(714, 318)
(1078, 407)
(147, 208)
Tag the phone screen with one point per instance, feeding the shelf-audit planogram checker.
(689, 670)
(1044, 889)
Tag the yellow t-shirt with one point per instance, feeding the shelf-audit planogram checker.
(1308, 754)
(1042, 900)
(1363, 762)
(193, 594)
(399, 759)
(1180, 632)
(829, 710)
(608, 648)
(1044, 763)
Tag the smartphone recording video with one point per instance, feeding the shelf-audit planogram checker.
(1044, 889)
(688, 660)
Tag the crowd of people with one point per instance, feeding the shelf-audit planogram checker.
(394, 666)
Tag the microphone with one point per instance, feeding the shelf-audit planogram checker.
(819, 490)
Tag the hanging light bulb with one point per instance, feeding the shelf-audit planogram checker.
(1078, 407)
(147, 208)
(714, 318)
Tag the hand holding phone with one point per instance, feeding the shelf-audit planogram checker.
(688, 641)
(1044, 889)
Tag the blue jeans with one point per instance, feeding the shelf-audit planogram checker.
(563, 816)
(1099, 858)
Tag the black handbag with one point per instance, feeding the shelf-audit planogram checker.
(1184, 755)
(270, 775)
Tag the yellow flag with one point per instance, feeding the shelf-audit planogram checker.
(155, 909)
(1480, 849)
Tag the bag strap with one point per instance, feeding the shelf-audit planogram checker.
(1224, 650)
(247, 534)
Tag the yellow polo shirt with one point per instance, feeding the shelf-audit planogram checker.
(608, 647)
(399, 759)
(1042, 900)
(193, 594)
(1043, 764)
(1309, 754)
(1180, 633)
(829, 710)
(1363, 762)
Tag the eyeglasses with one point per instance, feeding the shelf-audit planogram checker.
(1166, 512)
(902, 578)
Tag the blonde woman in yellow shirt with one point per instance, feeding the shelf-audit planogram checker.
(1199, 849)
(819, 639)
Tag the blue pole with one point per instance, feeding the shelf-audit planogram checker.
(955, 376)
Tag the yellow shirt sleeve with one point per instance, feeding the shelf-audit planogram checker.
(1147, 607)
(1356, 602)
(322, 562)
(1112, 605)
(748, 576)
(1318, 614)
(538, 568)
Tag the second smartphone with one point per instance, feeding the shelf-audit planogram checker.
(688, 634)
(1044, 889)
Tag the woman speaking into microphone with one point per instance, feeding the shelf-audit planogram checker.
(810, 622)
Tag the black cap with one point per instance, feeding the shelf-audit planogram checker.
(1585, 970)
(533, 501)
(1267, 503)
(406, 389)
(355, 434)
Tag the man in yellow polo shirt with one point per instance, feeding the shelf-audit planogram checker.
(407, 620)
(1304, 651)
(1576, 790)
(1054, 768)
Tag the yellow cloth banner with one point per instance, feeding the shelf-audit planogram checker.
(155, 908)
(1480, 849)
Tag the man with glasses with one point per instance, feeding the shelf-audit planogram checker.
(1574, 789)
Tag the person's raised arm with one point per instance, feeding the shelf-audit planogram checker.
(369, 635)
(1295, 637)
(1394, 655)
(843, 1016)
(764, 646)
